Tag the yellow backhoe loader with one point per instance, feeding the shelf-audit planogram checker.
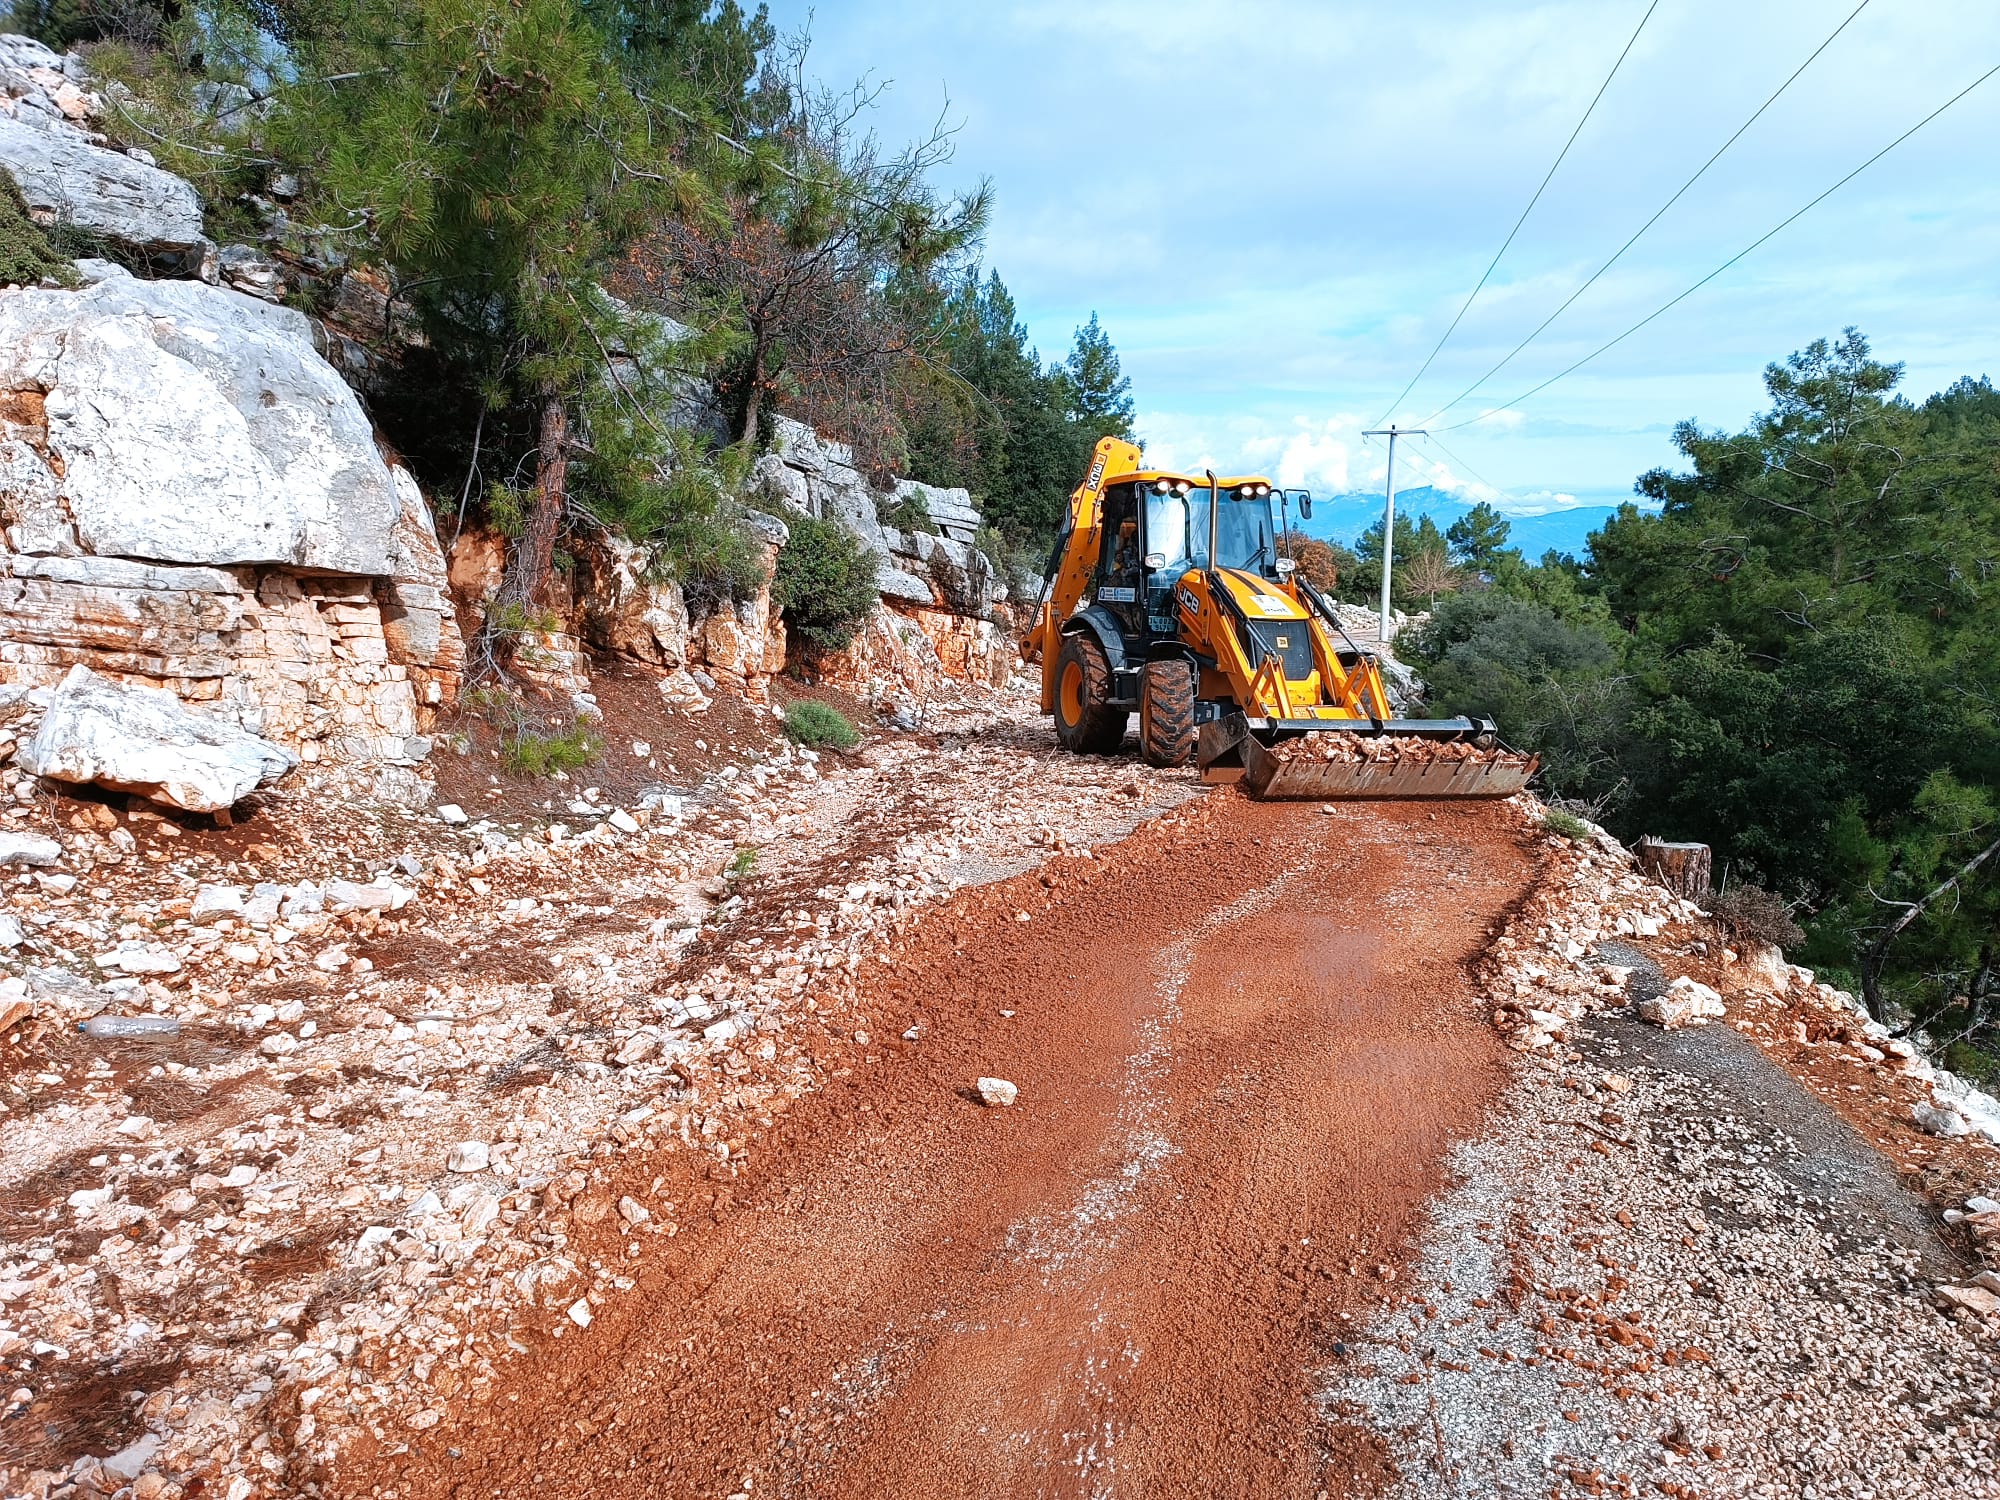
(1167, 595)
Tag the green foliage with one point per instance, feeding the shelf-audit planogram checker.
(63, 24)
(535, 753)
(1980, 1067)
(1479, 537)
(1095, 389)
(26, 254)
(1551, 684)
(1808, 627)
(814, 724)
(825, 583)
(1568, 825)
(986, 414)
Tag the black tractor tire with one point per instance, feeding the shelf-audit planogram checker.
(1166, 713)
(1086, 723)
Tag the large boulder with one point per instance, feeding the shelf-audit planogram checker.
(197, 425)
(69, 181)
(146, 741)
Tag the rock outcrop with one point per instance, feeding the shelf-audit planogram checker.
(193, 500)
(71, 180)
(939, 569)
(146, 741)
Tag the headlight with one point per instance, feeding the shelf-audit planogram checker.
(1264, 491)
(1248, 492)
(1162, 487)
(1182, 488)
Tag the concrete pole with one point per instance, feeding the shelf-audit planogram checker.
(1392, 432)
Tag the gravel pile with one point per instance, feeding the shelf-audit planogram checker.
(1668, 1270)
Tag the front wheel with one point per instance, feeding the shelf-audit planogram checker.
(1166, 713)
(1086, 723)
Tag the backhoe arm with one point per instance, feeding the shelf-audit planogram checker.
(1076, 559)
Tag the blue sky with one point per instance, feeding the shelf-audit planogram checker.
(1276, 208)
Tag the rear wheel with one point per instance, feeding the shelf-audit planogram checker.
(1086, 723)
(1166, 713)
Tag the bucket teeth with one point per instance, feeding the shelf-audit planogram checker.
(1332, 766)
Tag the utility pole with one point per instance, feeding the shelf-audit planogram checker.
(1391, 432)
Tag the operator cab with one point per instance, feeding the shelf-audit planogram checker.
(1155, 529)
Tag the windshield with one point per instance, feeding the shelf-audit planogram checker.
(1243, 532)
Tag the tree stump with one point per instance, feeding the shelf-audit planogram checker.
(1684, 869)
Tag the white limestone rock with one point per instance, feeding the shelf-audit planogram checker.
(197, 425)
(997, 1092)
(147, 742)
(65, 179)
(27, 849)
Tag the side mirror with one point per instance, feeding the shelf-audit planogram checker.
(1305, 505)
(1155, 560)
(1287, 567)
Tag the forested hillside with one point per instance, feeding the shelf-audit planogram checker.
(540, 184)
(1797, 661)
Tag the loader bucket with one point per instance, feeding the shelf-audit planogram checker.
(1415, 758)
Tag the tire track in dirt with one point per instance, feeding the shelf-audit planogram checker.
(1244, 1044)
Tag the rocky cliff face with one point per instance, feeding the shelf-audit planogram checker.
(72, 178)
(193, 499)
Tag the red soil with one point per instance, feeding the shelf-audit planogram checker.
(1244, 1042)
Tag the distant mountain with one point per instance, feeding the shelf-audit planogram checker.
(1342, 518)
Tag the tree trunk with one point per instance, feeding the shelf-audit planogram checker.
(532, 565)
(1684, 869)
(753, 396)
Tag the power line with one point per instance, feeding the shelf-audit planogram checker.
(1657, 216)
(1433, 438)
(1547, 178)
(1768, 234)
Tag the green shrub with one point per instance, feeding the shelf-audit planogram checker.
(26, 254)
(716, 558)
(742, 864)
(537, 754)
(814, 724)
(1569, 825)
(826, 582)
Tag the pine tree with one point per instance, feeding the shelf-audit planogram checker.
(1098, 393)
(1479, 536)
(497, 157)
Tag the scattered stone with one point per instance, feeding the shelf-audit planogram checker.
(579, 1313)
(997, 1092)
(632, 1211)
(451, 812)
(28, 849)
(1941, 1122)
(469, 1156)
(1687, 1002)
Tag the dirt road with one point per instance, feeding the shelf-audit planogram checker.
(1243, 1045)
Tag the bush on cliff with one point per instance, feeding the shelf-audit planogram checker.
(825, 584)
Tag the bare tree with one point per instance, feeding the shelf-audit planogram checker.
(804, 254)
(1430, 573)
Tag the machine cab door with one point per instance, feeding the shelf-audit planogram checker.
(1121, 578)
(1165, 535)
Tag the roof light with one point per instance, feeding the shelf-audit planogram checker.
(1163, 486)
(1263, 491)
